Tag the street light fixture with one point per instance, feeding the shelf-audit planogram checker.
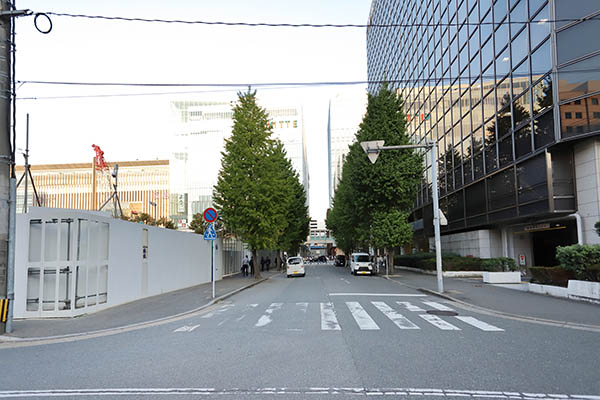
(373, 148)
(153, 204)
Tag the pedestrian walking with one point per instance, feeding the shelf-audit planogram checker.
(245, 264)
(268, 262)
(252, 265)
(262, 263)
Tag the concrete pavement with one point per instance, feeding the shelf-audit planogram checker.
(140, 312)
(503, 300)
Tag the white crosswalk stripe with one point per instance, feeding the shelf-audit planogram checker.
(438, 322)
(329, 318)
(329, 321)
(437, 306)
(409, 306)
(401, 321)
(479, 324)
(266, 318)
(362, 318)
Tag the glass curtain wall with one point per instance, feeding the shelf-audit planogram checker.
(476, 76)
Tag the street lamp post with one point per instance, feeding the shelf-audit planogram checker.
(373, 148)
(153, 204)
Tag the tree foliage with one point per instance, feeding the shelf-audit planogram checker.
(257, 189)
(371, 198)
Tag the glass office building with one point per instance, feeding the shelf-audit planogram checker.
(510, 91)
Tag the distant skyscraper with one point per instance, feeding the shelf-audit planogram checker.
(199, 139)
(345, 114)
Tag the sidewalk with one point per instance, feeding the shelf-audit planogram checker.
(137, 312)
(509, 301)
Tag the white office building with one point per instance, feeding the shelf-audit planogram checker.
(346, 111)
(201, 128)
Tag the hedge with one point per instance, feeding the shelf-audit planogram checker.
(583, 260)
(453, 262)
(557, 276)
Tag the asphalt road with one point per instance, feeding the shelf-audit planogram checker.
(327, 335)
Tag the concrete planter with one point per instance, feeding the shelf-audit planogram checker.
(584, 290)
(555, 291)
(502, 277)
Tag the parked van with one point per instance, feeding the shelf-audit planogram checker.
(361, 264)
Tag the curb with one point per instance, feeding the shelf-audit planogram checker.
(4, 339)
(563, 324)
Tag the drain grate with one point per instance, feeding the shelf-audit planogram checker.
(443, 313)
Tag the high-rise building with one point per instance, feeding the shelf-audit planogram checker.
(509, 89)
(344, 116)
(199, 139)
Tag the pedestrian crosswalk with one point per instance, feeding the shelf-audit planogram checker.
(364, 316)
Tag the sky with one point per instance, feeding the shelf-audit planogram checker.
(133, 126)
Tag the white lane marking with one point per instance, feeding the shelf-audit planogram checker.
(303, 307)
(480, 324)
(266, 319)
(401, 321)
(218, 311)
(364, 321)
(378, 294)
(437, 306)
(409, 306)
(438, 322)
(345, 281)
(329, 321)
(186, 328)
(301, 391)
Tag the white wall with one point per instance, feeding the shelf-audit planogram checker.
(484, 243)
(587, 178)
(175, 260)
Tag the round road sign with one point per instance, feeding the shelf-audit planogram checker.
(210, 214)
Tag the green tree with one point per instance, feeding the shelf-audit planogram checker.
(198, 224)
(296, 214)
(390, 229)
(250, 194)
(384, 189)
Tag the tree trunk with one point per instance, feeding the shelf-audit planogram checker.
(391, 262)
(256, 265)
(278, 260)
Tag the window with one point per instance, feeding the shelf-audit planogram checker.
(596, 115)
(594, 101)
(578, 115)
(568, 115)
(577, 102)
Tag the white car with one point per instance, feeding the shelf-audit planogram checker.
(295, 267)
(360, 264)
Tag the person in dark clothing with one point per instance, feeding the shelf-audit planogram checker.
(245, 265)
(251, 265)
(268, 262)
(262, 263)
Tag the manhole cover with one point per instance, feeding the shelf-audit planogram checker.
(443, 313)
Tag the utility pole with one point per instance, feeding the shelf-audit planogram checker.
(5, 143)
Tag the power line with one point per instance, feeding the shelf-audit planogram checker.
(292, 84)
(301, 25)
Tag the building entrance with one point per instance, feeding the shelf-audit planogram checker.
(546, 240)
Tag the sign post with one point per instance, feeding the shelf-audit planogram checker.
(210, 215)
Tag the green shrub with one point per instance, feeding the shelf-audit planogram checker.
(578, 258)
(557, 276)
(499, 264)
(591, 273)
